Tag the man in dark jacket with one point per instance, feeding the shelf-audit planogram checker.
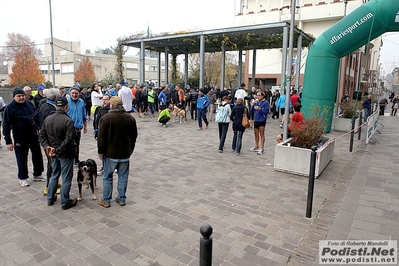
(57, 137)
(18, 117)
(45, 109)
(40, 95)
(97, 115)
(367, 107)
(193, 103)
(117, 134)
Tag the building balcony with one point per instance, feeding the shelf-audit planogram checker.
(321, 10)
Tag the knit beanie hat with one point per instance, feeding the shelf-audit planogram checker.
(17, 91)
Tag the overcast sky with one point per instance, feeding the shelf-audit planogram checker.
(97, 24)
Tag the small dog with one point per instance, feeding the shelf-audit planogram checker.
(180, 113)
(87, 174)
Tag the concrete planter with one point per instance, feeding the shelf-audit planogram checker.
(296, 160)
(344, 124)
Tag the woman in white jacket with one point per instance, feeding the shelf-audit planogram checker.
(222, 117)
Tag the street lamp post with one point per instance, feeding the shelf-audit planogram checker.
(337, 100)
(289, 67)
(52, 44)
(372, 72)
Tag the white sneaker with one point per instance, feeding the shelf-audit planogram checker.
(39, 178)
(254, 149)
(24, 183)
(261, 151)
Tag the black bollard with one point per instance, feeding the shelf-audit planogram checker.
(206, 245)
(359, 132)
(312, 171)
(352, 134)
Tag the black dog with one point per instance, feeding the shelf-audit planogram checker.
(87, 174)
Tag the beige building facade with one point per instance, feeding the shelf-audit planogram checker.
(313, 17)
(68, 56)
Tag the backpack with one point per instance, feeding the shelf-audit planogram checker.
(221, 114)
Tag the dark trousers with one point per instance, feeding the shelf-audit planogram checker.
(21, 153)
(382, 109)
(223, 127)
(164, 120)
(275, 113)
(193, 108)
(78, 135)
(202, 116)
(49, 169)
(145, 105)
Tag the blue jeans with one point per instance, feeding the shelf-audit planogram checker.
(201, 114)
(223, 127)
(237, 141)
(122, 165)
(62, 167)
(152, 107)
(367, 113)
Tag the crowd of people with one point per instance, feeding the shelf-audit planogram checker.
(55, 119)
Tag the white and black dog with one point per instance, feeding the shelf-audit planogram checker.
(87, 174)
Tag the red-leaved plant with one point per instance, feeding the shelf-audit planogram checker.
(311, 132)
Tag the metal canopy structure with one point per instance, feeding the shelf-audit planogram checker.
(259, 36)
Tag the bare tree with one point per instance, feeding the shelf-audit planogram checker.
(213, 66)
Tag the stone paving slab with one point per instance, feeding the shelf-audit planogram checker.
(368, 210)
(178, 181)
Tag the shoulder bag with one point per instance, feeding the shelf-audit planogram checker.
(245, 120)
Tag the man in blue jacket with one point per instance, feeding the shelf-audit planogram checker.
(18, 118)
(162, 98)
(77, 112)
(280, 104)
(367, 107)
(202, 104)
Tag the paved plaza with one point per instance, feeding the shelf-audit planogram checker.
(179, 181)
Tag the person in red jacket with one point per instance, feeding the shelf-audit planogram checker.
(296, 119)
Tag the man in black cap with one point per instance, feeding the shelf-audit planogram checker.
(18, 118)
(57, 137)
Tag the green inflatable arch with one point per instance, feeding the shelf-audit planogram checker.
(322, 65)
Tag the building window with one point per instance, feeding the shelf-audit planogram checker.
(153, 68)
(239, 6)
(44, 69)
(131, 66)
(67, 68)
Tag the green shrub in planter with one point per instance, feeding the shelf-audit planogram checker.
(350, 108)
